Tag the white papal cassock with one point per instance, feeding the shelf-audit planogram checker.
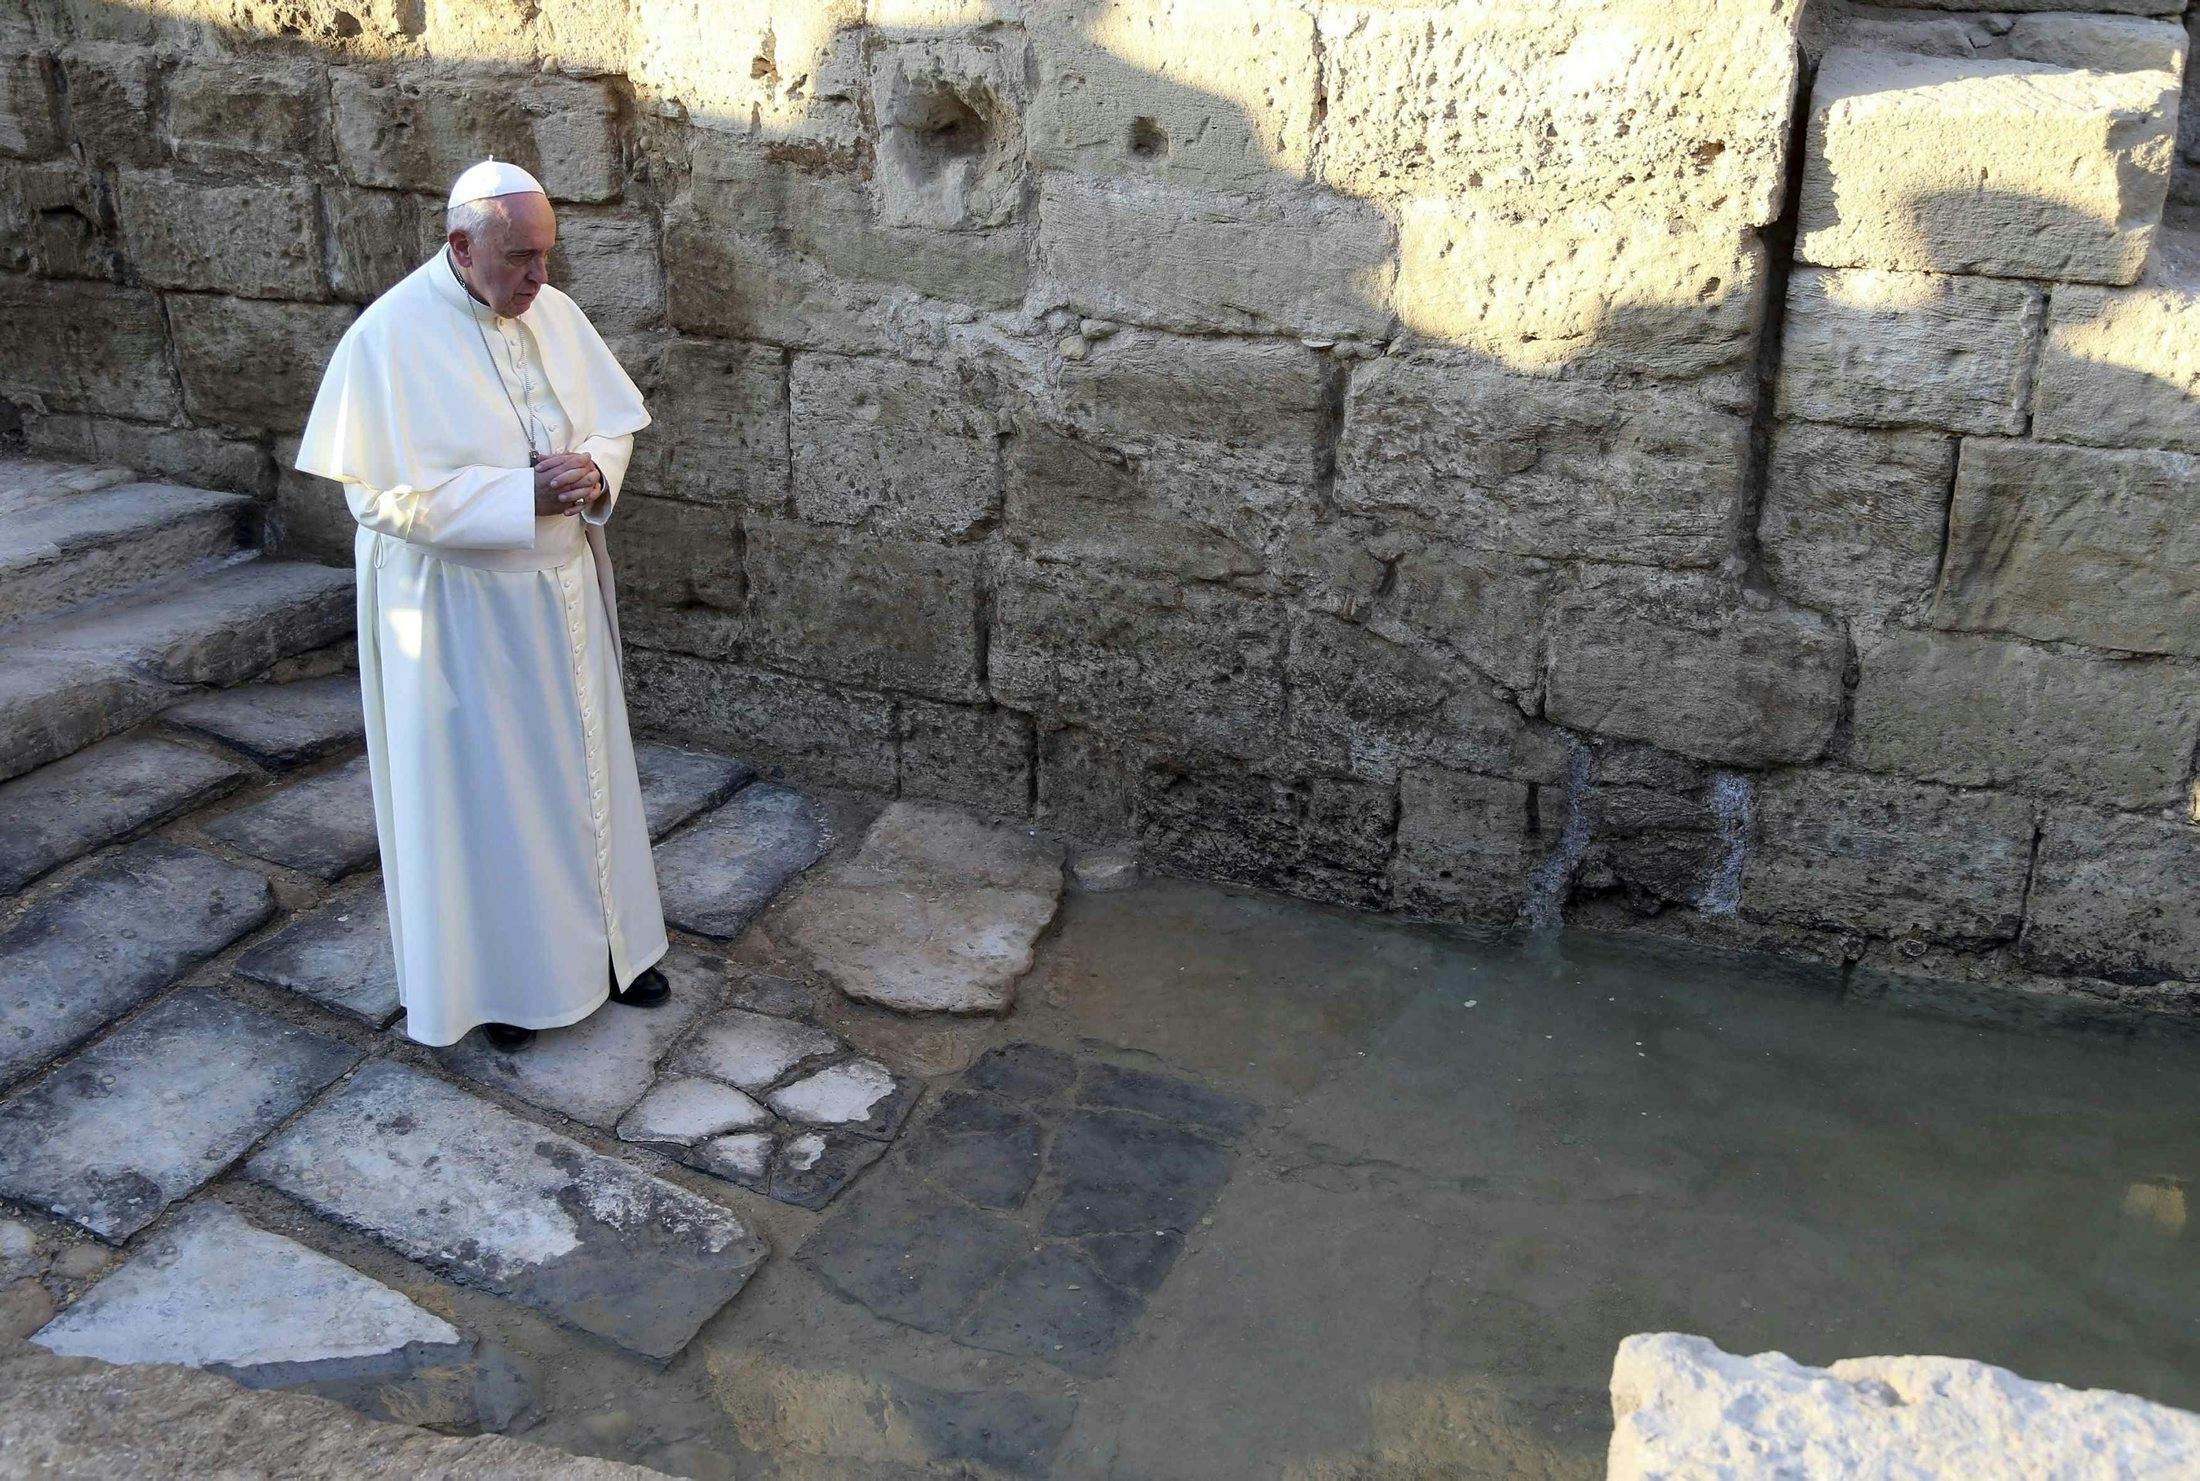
(515, 855)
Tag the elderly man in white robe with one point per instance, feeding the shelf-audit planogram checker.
(481, 429)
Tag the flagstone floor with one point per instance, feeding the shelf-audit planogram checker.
(1221, 1185)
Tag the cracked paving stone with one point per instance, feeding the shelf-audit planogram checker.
(743, 1157)
(1005, 1429)
(109, 938)
(479, 1195)
(857, 1095)
(594, 1070)
(979, 1147)
(751, 1050)
(323, 825)
(677, 784)
(760, 992)
(337, 953)
(682, 1110)
(1054, 1305)
(280, 725)
(1138, 1261)
(119, 787)
(142, 1118)
(912, 1255)
(1023, 1072)
(716, 875)
(1119, 1088)
(810, 1167)
(1120, 1172)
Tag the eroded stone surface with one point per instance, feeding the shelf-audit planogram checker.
(684, 1110)
(280, 724)
(105, 792)
(858, 1095)
(719, 872)
(323, 825)
(936, 912)
(337, 953)
(751, 1050)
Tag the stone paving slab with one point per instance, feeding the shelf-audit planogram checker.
(70, 550)
(937, 912)
(64, 810)
(323, 825)
(125, 1128)
(280, 725)
(338, 953)
(677, 784)
(104, 942)
(484, 1197)
(718, 873)
(53, 703)
(221, 628)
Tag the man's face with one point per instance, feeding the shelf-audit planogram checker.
(509, 268)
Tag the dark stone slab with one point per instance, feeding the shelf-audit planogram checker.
(980, 1147)
(759, 992)
(485, 1198)
(139, 1120)
(912, 1255)
(1120, 1172)
(810, 1167)
(1053, 1305)
(119, 787)
(676, 784)
(1003, 1429)
(99, 946)
(1025, 1072)
(716, 875)
(280, 725)
(1138, 1261)
(1120, 1088)
(337, 953)
(323, 825)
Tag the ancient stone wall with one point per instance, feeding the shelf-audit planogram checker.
(1711, 465)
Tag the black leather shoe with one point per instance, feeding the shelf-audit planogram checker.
(645, 991)
(507, 1036)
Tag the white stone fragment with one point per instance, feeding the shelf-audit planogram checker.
(838, 1096)
(685, 1109)
(745, 1154)
(750, 1049)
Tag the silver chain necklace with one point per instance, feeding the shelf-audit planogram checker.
(533, 457)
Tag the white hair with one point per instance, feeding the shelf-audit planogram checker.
(477, 217)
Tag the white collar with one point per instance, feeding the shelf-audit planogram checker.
(449, 285)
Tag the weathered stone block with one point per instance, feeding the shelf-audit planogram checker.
(30, 117)
(2008, 168)
(1368, 707)
(1323, 838)
(2075, 544)
(250, 113)
(681, 585)
(830, 734)
(1908, 349)
(1888, 858)
(979, 757)
(1539, 467)
(2099, 43)
(894, 447)
(416, 132)
(113, 88)
(52, 222)
(2122, 365)
(1853, 519)
(287, 345)
(2113, 897)
(103, 793)
(379, 236)
(613, 267)
(1088, 782)
(1186, 663)
(885, 614)
(192, 455)
(252, 240)
(1980, 712)
(793, 74)
(1169, 257)
(1681, 669)
(730, 403)
(950, 136)
(86, 347)
(1464, 848)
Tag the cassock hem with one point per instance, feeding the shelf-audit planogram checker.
(563, 1020)
(662, 952)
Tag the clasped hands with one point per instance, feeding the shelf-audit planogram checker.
(566, 483)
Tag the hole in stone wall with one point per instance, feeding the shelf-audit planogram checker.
(1148, 140)
(947, 125)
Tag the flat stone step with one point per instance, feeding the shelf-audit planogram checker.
(337, 953)
(323, 825)
(280, 725)
(25, 482)
(106, 941)
(67, 681)
(481, 1196)
(75, 548)
(83, 802)
(717, 874)
(154, 1111)
(677, 784)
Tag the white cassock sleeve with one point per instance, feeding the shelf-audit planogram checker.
(480, 507)
(611, 455)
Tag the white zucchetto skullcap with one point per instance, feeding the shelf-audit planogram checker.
(492, 177)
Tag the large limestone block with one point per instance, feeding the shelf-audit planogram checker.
(251, 113)
(1681, 1407)
(2122, 365)
(378, 236)
(1883, 857)
(1538, 467)
(1150, 252)
(1589, 292)
(580, 38)
(950, 135)
(792, 73)
(114, 101)
(413, 132)
(2077, 544)
(288, 346)
(730, 403)
(1190, 663)
(822, 732)
(86, 347)
(1853, 518)
(1982, 712)
(51, 223)
(977, 757)
(1222, 97)
(892, 447)
(2114, 897)
(856, 609)
(190, 455)
(1320, 837)
(612, 266)
(2009, 168)
(1884, 349)
(1686, 671)
(1367, 707)
(679, 575)
(2100, 43)
(1463, 845)
(251, 240)
(30, 116)
(2118, 7)
(1529, 107)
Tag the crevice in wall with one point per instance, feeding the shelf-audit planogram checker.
(2036, 314)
